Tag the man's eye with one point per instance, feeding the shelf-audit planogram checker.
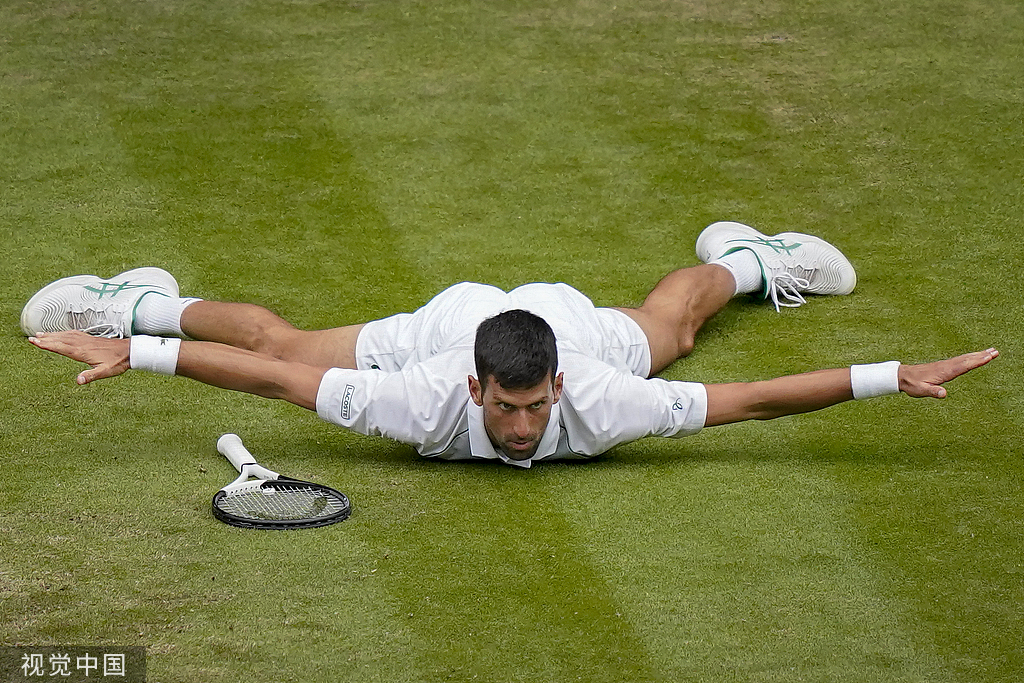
(537, 406)
(507, 407)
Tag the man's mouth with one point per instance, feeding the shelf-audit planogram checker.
(520, 450)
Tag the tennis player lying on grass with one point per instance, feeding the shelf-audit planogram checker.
(538, 373)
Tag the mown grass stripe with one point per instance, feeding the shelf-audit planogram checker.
(498, 580)
(254, 183)
(750, 568)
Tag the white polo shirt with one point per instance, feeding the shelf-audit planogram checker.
(413, 386)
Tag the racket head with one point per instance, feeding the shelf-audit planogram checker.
(282, 503)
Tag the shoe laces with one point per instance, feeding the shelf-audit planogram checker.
(784, 289)
(96, 321)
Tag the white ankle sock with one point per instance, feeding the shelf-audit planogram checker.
(158, 314)
(745, 269)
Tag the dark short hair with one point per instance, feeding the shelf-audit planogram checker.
(516, 348)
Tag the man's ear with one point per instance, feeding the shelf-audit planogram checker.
(557, 386)
(476, 392)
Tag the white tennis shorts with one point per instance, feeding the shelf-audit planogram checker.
(450, 319)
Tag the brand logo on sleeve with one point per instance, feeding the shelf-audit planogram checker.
(346, 403)
(678, 405)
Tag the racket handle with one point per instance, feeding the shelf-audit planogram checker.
(230, 446)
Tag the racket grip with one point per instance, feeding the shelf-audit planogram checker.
(230, 446)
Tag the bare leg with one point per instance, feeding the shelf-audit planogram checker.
(678, 307)
(255, 328)
(670, 316)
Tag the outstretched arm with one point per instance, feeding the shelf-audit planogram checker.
(215, 364)
(816, 390)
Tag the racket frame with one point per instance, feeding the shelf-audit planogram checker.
(253, 476)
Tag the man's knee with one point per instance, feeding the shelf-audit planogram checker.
(684, 343)
(667, 338)
(272, 337)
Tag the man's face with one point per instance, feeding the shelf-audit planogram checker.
(515, 418)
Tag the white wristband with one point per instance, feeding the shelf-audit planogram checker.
(877, 379)
(155, 354)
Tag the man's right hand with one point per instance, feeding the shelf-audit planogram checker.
(106, 357)
(211, 363)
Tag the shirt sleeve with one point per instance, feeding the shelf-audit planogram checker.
(417, 406)
(605, 406)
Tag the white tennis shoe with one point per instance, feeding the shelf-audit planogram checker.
(104, 308)
(792, 263)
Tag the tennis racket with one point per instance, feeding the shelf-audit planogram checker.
(271, 501)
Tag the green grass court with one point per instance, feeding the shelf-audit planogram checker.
(342, 160)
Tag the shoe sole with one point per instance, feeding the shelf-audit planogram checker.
(63, 282)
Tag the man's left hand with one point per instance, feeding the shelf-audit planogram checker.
(926, 380)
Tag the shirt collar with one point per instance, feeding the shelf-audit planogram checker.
(481, 447)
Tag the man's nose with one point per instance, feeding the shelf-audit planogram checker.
(521, 426)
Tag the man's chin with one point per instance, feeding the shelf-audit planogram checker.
(517, 454)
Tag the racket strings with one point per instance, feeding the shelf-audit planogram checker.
(282, 504)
